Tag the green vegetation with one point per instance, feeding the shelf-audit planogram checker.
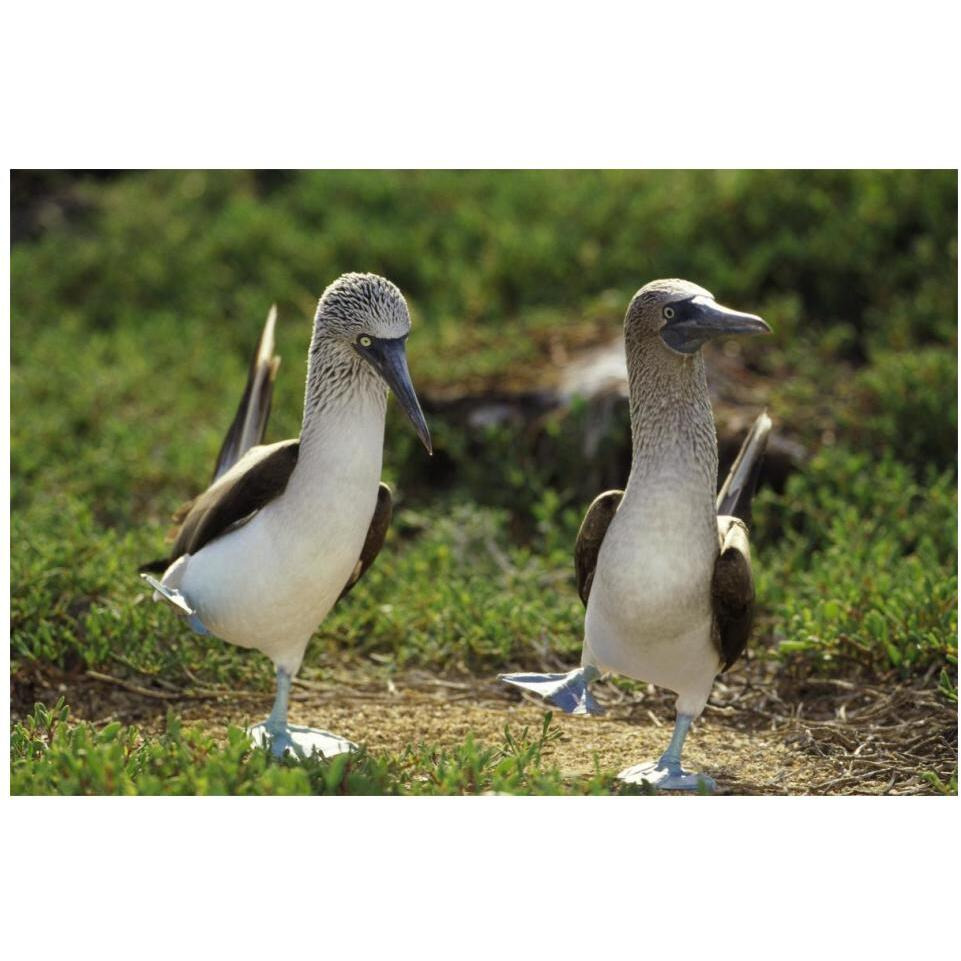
(861, 565)
(51, 756)
(135, 300)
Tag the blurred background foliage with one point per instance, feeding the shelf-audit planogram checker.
(136, 299)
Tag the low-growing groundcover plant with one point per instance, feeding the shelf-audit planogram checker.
(864, 565)
(51, 755)
(134, 301)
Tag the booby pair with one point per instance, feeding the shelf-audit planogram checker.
(284, 530)
(664, 566)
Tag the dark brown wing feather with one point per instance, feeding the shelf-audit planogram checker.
(210, 514)
(234, 499)
(737, 492)
(250, 422)
(591, 536)
(376, 535)
(732, 591)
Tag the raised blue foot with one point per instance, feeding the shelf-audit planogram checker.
(569, 692)
(175, 600)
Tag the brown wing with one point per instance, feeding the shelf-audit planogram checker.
(376, 535)
(735, 496)
(732, 590)
(255, 480)
(591, 536)
(250, 422)
(233, 495)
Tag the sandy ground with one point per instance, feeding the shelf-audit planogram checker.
(741, 763)
(748, 739)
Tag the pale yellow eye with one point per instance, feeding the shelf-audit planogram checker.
(668, 313)
(365, 341)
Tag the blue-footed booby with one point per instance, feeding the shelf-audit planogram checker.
(284, 530)
(664, 566)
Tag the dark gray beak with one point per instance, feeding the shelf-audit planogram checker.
(701, 319)
(389, 358)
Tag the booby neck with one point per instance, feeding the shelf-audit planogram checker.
(672, 426)
(345, 405)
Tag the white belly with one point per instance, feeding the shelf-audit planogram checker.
(269, 584)
(649, 614)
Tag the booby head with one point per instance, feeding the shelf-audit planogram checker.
(369, 314)
(683, 316)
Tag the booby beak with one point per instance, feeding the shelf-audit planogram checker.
(388, 356)
(700, 319)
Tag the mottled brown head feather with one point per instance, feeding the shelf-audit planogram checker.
(645, 312)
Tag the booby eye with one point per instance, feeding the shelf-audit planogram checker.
(365, 341)
(668, 313)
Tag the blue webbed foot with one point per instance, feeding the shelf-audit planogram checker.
(570, 692)
(302, 742)
(667, 776)
(175, 600)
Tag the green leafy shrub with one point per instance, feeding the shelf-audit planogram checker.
(906, 404)
(51, 755)
(857, 561)
(471, 599)
(136, 299)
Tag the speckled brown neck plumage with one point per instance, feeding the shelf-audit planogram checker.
(338, 382)
(672, 425)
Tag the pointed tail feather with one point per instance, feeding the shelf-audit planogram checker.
(737, 493)
(250, 421)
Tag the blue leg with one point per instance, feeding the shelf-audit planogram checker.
(667, 773)
(569, 691)
(283, 738)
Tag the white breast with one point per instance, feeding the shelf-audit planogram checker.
(649, 613)
(269, 584)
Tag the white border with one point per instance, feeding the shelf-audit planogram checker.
(299, 84)
(502, 84)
